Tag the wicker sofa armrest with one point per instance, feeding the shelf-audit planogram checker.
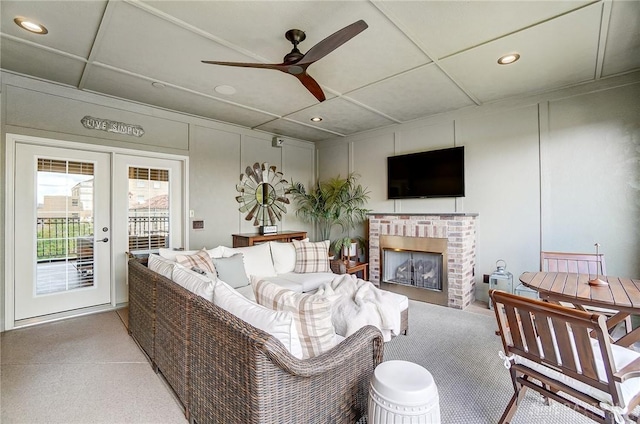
(365, 343)
(142, 305)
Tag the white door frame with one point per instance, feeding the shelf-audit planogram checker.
(9, 242)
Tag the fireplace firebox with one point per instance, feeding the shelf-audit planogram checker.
(415, 267)
(418, 269)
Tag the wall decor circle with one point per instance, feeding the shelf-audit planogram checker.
(262, 194)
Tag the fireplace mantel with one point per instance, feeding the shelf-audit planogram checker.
(458, 228)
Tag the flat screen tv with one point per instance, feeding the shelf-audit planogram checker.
(436, 173)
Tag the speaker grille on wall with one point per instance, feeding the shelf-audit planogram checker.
(277, 141)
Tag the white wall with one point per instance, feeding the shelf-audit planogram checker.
(502, 185)
(217, 158)
(591, 177)
(217, 152)
(558, 171)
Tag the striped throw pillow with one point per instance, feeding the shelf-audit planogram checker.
(311, 314)
(200, 259)
(312, 257)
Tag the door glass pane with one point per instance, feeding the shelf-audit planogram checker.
(64, 225)
(148, 209)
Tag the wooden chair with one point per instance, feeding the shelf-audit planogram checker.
(583, 263)
(549, 348)
(579, 263)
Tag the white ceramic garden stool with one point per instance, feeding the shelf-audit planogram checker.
(402, 392)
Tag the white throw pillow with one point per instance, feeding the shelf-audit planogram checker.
(216, 252)
(257, 259)
(311, 313)
(279, 324)
(160, 265)
(202, 285)
(171, 253)
(284, 256)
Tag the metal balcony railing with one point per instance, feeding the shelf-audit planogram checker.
(64, 238)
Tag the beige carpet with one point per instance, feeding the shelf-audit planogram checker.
(88, 370)
(81, 370)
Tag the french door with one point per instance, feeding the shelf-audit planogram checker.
(72, 213)
(62, 229)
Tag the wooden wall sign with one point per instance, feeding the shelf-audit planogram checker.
(116, 127)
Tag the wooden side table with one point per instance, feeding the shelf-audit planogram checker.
(339, 266)
(250, 239)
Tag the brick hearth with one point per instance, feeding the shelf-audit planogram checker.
(458, 229)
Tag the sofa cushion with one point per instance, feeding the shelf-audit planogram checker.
(312, 256)
(162, 266)
(279, 324)
(284, 256)
(202, 285)
(257, 259)
(231, 270)
(200, 259)
(307, 282)
(311, 313)
(171, 254)
(247, 291)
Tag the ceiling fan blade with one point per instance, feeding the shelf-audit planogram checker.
(332, 42)
(311, 85)
(276, 66)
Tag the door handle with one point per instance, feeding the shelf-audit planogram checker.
(104, 240)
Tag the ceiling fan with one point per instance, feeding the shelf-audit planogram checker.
(296, 63)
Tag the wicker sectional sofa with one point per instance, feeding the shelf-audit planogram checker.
(224, 370)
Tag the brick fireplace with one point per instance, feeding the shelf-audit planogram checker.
(408, 233)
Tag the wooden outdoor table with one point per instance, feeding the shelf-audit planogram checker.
(621, 295)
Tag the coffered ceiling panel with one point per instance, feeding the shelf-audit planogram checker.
(31, 60)
(414, 94)
(415, 59)
(623, 40)
(558, 53)
(129, 87)
(341, 116)
(72, 25)
(448, 27)
(148, 45)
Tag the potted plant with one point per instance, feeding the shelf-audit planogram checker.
(334, 202)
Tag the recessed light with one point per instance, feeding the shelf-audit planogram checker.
(316, 119)
(508, 59)
(225, 89)
(30, 26)
(157, 84)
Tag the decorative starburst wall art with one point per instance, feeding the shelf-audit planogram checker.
(263, 196)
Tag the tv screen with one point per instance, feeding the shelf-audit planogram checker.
(436, 173)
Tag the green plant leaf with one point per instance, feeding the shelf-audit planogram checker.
(336, 202)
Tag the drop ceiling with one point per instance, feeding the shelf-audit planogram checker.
(416, 59)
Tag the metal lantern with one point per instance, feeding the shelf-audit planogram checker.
(500, 279)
